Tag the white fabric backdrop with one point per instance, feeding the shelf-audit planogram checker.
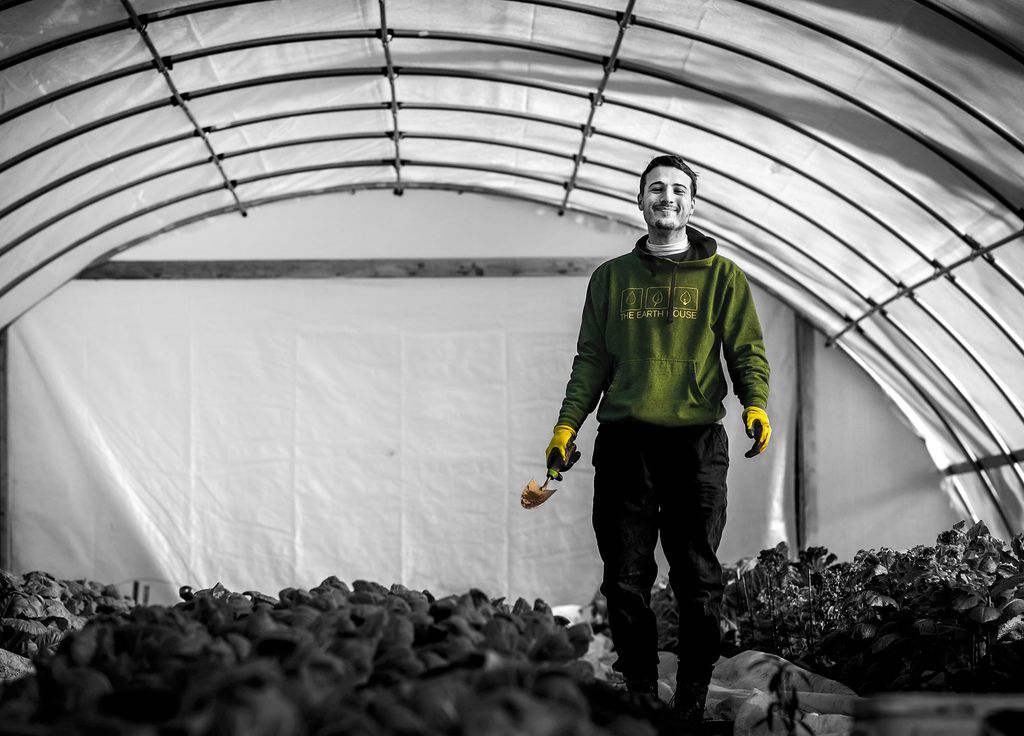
(269, 434)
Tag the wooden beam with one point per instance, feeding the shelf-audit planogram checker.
(352, 268)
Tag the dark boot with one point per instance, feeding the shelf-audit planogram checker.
(689, 701)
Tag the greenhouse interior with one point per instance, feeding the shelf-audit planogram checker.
(295, 293)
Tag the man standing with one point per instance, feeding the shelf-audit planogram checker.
(655, 325)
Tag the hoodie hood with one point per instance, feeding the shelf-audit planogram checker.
(703, 248)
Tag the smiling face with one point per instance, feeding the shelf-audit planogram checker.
(667, 203)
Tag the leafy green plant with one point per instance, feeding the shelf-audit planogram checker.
(942, 617)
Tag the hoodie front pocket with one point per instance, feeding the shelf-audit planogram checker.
(656, 387)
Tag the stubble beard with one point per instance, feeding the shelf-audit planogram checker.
(667, 220)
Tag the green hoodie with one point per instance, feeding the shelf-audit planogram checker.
(659, 362)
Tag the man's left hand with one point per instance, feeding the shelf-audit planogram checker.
(758, 428)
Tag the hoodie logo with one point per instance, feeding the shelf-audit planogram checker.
(685, 298)
(653, 302)
(657, 297)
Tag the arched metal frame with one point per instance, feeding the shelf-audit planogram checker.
(974, 464)
(803, 287)
(873, 308)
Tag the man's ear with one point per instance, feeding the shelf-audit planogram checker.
(640, 202)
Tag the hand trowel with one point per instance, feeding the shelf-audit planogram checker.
(535, 494)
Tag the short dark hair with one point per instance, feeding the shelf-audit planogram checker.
(672, 161)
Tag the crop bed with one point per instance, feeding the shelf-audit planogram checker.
(328, 661)
(948, 617)
(366, 659)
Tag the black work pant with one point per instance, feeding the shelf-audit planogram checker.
(673, 480)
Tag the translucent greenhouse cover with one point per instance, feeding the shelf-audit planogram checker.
(861, 161)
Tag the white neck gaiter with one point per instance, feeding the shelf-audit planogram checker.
(669, 249)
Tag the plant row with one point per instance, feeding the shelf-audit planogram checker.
(37, 610)
(948, 617)
(331, 660)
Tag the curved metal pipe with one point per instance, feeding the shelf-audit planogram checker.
(611, 15)
(981, 472)
(63, 42)
(140, 29)
(985, 421)
(383, 134)
(384, 34)
(357, 136)
(975, 357)
(955, 336)
(930, 85)
(113, 224)
(429, 136)
(588, 127)
(850, 99)
(49, 222)
(88, 169)
(969, 24)
(352, 189)
(849, 247)
(657, 73)
(273, 79)
(943, 271)
(1013, 338)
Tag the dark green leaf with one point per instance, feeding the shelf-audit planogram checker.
(913, 576)
(1009, 583)
(35, 628)
(26, 606)
(978, 530)
(983, 614)
(878, 601)
(966, 601)
(925, 626)
(1013, 607)
(1017, 545)
(885, 642)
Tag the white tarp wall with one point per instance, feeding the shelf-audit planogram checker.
(267, 434)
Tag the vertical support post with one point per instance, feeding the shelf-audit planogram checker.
(806, 481)
(5, 516)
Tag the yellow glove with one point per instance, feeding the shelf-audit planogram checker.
(561, 453)
(758, 428)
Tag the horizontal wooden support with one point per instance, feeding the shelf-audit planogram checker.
(352, 268)
(986, 463)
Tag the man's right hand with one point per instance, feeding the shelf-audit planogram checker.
(561, 453)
